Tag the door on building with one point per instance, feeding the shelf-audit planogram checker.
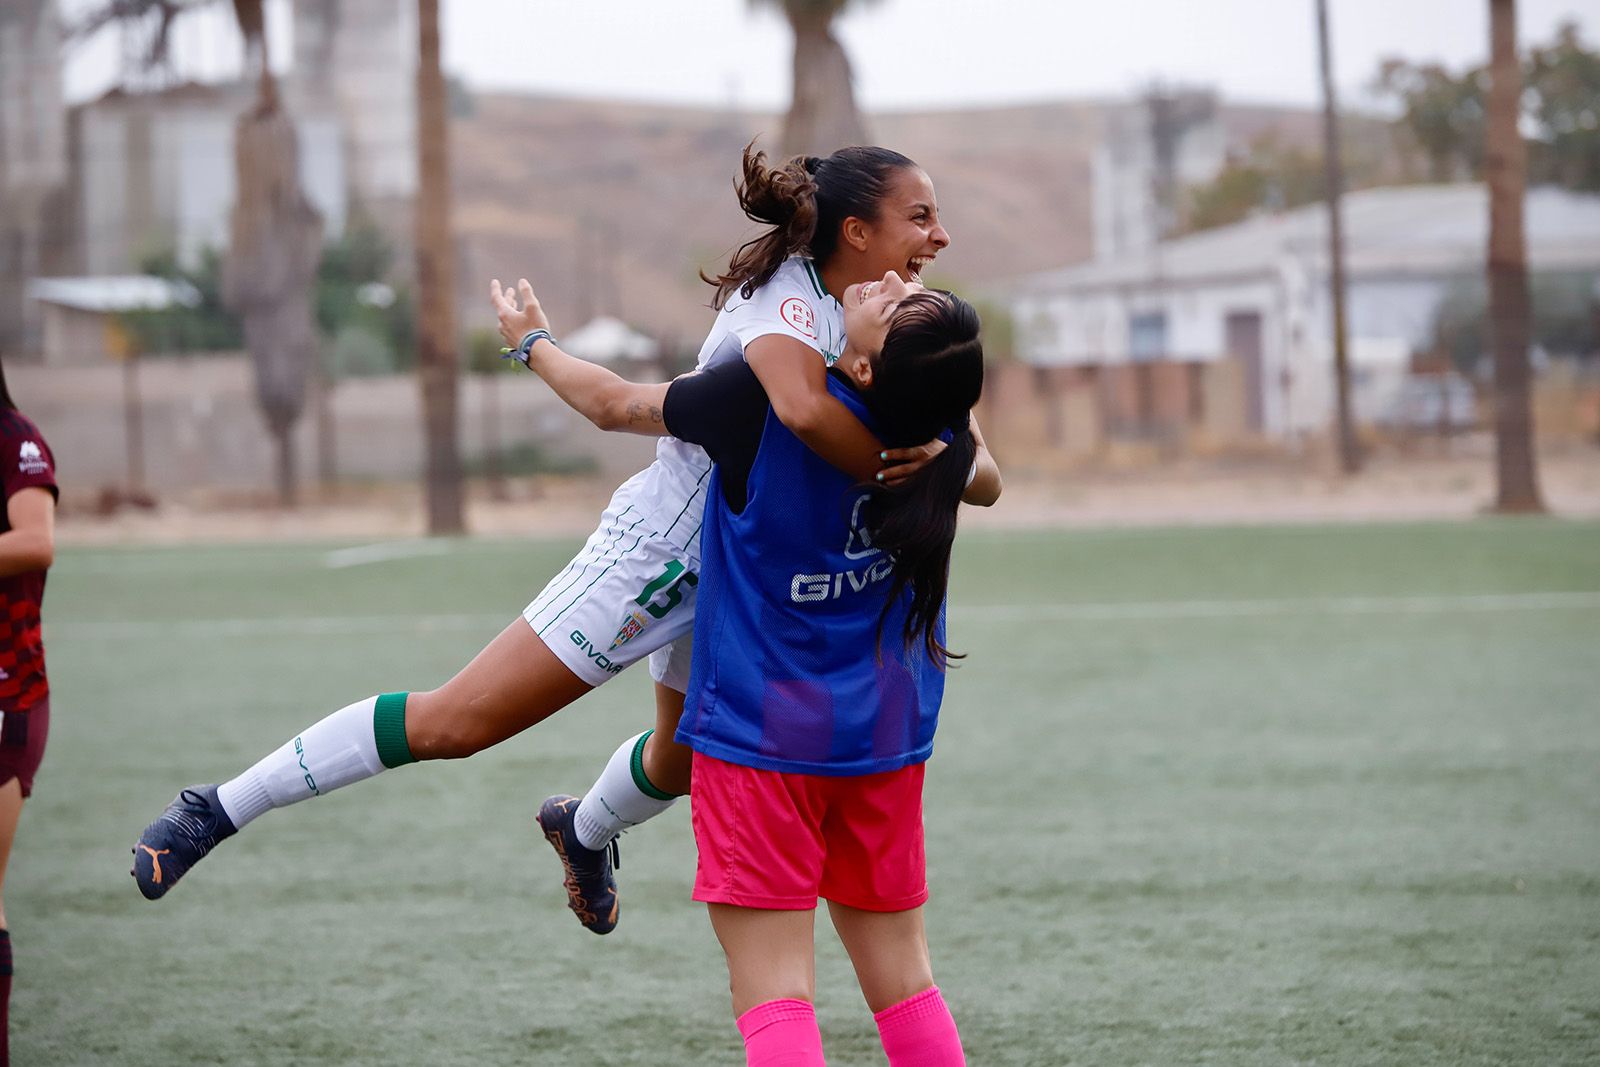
(1242, 335)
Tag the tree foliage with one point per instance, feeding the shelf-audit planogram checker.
(371, 318)
(1566, 318)
(367, 322)
(1440, 130)
(1269, 176)
(1442, 113)
(205, 326)
(1563, 80)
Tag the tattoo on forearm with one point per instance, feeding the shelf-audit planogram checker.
(639, 411)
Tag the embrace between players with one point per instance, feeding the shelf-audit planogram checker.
(794, 531)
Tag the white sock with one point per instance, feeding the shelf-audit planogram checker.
(621, 797)
(336, 751)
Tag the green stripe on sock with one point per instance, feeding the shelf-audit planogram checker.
(636, 765)
(389, 730)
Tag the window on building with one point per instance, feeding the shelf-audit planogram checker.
(1147, 336)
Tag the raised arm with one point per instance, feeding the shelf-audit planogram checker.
(608, 401)
(796, 382)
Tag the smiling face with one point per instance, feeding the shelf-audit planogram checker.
(869, 309)
(907, 234)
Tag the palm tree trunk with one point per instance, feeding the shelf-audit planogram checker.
(323, 386)
(822, 114)
(1506, 167)
(1349, 447)
(437, 359)
(274, 245)
(283, 442)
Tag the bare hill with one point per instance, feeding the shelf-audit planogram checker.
(614, 207)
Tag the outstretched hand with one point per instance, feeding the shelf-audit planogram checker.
(901, 463)
(515, 322)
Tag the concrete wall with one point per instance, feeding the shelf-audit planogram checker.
(1135, 412)
(77, 338)
(202, 431)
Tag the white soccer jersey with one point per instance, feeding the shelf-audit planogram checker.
(794, 304)
(630, 590)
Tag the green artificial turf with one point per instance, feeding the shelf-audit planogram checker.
(1280, 795)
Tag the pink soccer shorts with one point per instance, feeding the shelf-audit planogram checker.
(779, 841)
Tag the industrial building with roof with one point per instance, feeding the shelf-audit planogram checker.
(1165, 319)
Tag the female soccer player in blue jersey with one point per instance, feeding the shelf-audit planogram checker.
(847, 218)
(818, 667)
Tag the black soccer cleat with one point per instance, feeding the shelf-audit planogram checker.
(591, 889)
(193, 824)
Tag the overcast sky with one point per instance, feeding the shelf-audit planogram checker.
(914, 54)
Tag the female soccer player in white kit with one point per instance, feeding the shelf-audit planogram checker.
(813, 704)
(859, 213)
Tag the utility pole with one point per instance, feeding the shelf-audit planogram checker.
(437, 358)
(1349, 448)
(1506, 168)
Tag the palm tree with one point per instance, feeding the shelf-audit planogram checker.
(275, 234)
(1506, 167)
(274, 245)
(822, 110)
(437, 359)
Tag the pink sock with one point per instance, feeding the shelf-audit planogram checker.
(919, 1032)
(782, 1033)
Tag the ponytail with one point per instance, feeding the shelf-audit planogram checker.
(784, 198)
(925, 383)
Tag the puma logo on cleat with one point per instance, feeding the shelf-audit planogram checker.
(155, 859)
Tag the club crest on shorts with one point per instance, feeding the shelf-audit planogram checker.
(798, 313)
(632, 627)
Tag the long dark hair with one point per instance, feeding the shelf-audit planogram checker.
(805, 201)
(6, 403)
(924, 383)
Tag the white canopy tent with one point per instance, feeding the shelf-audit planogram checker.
(608, 340)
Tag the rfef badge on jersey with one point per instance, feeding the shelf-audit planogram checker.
(798, 314)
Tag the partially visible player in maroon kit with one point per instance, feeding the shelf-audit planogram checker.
(27, 548)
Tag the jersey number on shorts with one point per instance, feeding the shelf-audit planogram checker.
(671, 582)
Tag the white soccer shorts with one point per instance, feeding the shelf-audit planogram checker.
(628, 593)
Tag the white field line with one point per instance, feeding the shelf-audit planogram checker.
(1160, 610)
(307, 626)
(1155, 611)
(384, 551)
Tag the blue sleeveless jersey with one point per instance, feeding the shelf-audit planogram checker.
(787, 672)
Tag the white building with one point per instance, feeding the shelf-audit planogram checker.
(155, 171)
(359, 58)
(82, 322)
(1152, 150)
(33, 161)
(1258, 292)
